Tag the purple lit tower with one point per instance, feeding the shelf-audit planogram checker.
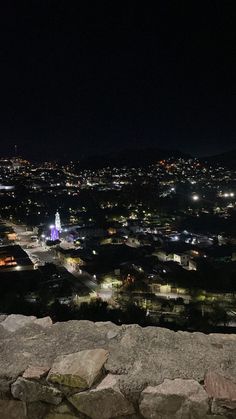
(56, 229)
(58, 222)
(54, 233)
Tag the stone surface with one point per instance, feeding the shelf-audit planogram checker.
(12, 409)
(44, 321)
(175, 399)
(141, 356)
(80, 369)
(63, 411)
(146, 355)
(111, 334)
(221, 389)
(218, 410)
(134, 416)
(103, 402)
(37, 410)
(5, 388)
(31, 391)
(35, 372)
(2, 317)
(16, 321)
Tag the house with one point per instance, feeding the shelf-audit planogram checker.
(181, 258)
(115, 239)
(14, 258)
(70, 258)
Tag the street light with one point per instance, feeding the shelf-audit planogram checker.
(195, 198)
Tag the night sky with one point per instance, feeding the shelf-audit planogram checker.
(82, 78)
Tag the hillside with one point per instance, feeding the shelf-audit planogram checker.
(227, 159)
(130, 157)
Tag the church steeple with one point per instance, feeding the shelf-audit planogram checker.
(58, 221)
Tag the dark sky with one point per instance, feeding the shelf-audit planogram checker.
(86, 77)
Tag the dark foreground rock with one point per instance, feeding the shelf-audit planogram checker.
(32, 391)
(104, 402)
(81, 369)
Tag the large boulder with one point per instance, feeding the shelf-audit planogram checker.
(103, 402)
(31, 391)
(79, 370)
(175, 399)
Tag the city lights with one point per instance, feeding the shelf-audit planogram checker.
(156, 222)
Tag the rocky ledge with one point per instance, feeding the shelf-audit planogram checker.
(81, 369)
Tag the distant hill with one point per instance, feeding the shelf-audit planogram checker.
(131, 158)
(227, 159)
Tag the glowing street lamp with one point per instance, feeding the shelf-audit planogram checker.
(195, 198)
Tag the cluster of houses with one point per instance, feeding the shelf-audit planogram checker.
(189, 251)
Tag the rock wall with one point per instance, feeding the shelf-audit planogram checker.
(81, 369)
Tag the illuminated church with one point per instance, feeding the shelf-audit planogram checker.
(56, 229)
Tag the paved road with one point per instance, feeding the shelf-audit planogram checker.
(36, 250)
(86, 279)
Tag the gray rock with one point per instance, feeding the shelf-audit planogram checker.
(221, 410)
(12, 409)
(222, 390)
(2, 317)
(103, 402)
(132, 384)
(35, 372)
(112, 334)
(44, 321)
(80, 369)
(175, 399)
(16, 321)
(31, 391)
